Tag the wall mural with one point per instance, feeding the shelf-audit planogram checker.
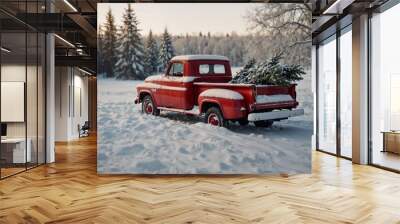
(204, 88)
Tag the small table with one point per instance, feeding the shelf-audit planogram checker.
(391, 141)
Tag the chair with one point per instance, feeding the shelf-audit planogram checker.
(84, 130)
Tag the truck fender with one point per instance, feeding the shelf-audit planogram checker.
(202, 102)
(231, 106)
(146, 92)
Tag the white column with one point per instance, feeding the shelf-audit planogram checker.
(360, 90)
(314, 92)
(62, 103)
(50, 98)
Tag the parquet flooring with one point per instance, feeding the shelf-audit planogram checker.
(70, 191)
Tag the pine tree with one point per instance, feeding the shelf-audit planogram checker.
(100, 50)
(242, 75)
(151, 55)
(109, 43)
(130, 63)
(166, 49)
(269, 72)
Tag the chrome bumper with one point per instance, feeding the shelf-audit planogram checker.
(273, 115)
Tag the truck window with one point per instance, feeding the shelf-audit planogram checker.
(207, 69)
(204, 69)
(219, 69)
(176, 69)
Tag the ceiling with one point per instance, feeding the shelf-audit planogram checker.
(330, 15)
(75, 21)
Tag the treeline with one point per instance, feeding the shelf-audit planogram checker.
(241, 48)
(124, 54)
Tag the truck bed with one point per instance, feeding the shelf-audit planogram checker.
(263, 97)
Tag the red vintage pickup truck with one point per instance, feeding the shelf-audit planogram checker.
(198, 85)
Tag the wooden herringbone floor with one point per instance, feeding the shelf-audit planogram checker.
(70, 191)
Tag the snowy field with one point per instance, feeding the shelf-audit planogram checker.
(133, 143)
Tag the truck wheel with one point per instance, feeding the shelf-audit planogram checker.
(215, 118)
(148, 106)
(243, 122)
(264, 124)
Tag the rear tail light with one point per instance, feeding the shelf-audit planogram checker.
(292, 91)
(255, 93)
(252, 107)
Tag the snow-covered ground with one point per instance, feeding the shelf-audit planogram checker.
(131, 142)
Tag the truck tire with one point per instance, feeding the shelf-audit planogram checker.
(148, 106)
(263, 124)
(214, 117)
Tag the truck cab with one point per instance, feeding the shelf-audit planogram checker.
(206, 68)
(182, 71)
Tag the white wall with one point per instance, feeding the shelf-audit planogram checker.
(13, 101)
(70, 83)
(80, 109)
(62, 82)
(16, 73)
(33, 126)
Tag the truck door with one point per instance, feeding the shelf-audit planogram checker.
(174, 88)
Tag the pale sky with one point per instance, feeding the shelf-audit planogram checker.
(182, 18)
